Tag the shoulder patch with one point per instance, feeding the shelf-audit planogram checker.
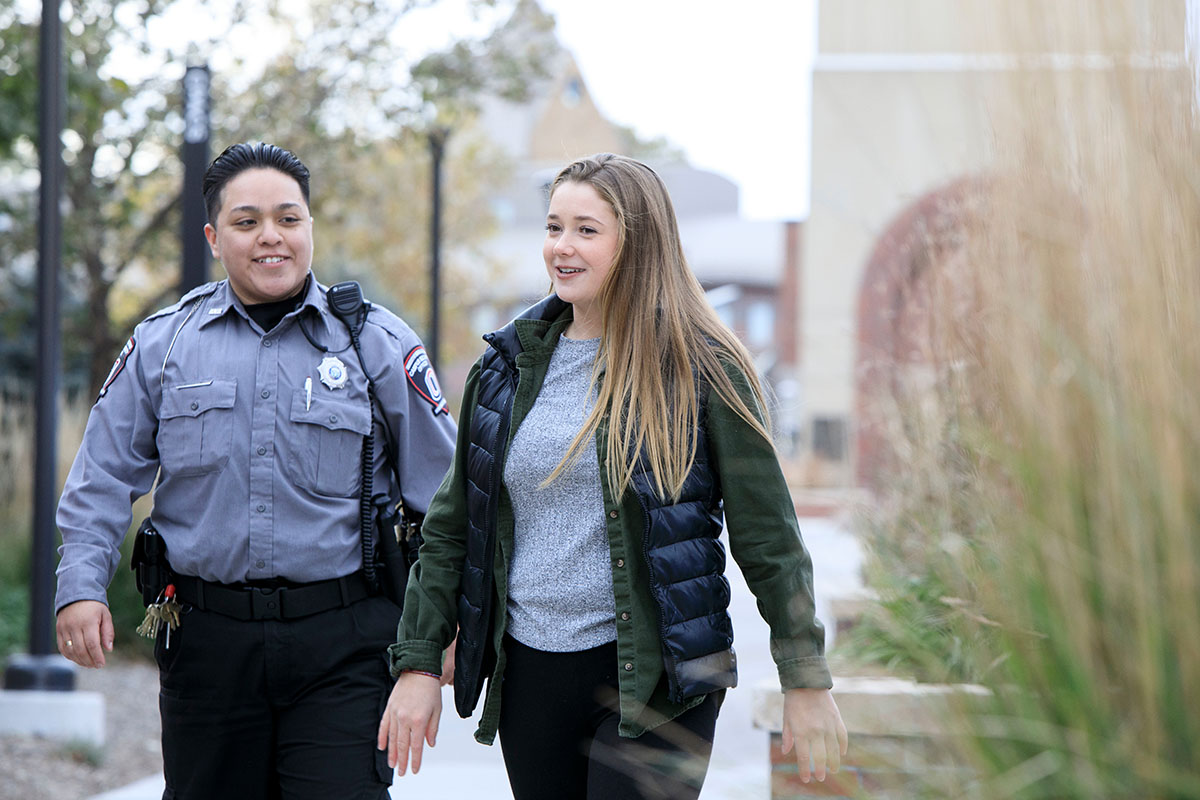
(118, 366)
(423, 380)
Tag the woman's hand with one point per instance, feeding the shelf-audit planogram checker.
(812, 722)
(410, 719)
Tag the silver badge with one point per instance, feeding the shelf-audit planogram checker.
(332, 372)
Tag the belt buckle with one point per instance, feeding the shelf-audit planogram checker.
(266, 603)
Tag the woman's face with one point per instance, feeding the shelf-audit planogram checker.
(581, 243)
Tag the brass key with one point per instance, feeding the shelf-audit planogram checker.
(163, 611)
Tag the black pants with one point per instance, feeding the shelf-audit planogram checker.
(558, 731)
(276, 709)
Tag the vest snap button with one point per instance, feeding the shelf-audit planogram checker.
(628, 667)
(612, 514)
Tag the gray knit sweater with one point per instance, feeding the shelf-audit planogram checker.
(560, 592)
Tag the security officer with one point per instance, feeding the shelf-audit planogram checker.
(248, 403)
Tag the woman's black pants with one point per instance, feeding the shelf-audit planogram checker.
(558, 731)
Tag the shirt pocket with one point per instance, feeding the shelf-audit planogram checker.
(195, 431)
(327, 443)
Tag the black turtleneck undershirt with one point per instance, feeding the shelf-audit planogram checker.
(268, 315)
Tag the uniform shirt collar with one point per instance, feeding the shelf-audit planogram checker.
(223, 300)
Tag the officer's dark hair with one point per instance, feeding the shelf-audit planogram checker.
(238, 158)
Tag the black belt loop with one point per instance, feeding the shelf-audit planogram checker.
(248, 603)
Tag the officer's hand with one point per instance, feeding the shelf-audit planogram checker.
(812, 722)
(448, 664)
(85, 631)
(412, 715)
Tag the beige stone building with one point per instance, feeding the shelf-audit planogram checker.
(904, 98)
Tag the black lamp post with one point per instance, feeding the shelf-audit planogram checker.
(437, 148)
(43, 668)
(195, 161)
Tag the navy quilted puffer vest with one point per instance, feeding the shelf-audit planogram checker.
(687, 578)
(686, 558)
(475, 656)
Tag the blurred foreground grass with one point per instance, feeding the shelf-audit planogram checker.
(1040, 532)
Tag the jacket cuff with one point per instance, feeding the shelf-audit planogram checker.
(419, 655)
(805, 673)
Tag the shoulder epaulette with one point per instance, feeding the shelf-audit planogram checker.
(195, 294)
(388, 320)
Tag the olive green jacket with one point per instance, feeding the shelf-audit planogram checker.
(763, 536)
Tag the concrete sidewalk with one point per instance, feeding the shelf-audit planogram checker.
(461, 769)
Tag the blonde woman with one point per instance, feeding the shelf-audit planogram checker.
(574, 541)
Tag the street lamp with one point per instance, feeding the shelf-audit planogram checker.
(437, 148)
(42, 668)
(194, 154)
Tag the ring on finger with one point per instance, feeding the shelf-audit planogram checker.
(70, 643)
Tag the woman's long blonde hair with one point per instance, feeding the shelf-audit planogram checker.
(660, 337)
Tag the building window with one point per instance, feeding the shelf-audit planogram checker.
(829, 437)
(572, 93)
(724, 300)
(760, 324)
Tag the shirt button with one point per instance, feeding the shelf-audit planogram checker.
(620, 562)
(612, 515)
(625, 615)
(195, 405)
(262, 451)
(268, 342)
(260, 564)
(333, 417)
(266, 393)
(628, 667)
(261, 508)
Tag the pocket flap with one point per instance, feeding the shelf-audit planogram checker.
(335, 415)
(193, 399)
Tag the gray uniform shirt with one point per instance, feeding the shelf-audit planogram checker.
(255, 440)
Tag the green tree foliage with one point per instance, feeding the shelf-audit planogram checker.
(335, 89)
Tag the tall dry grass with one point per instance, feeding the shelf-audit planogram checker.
(17, 419)
(17, 453)
(1051, 497)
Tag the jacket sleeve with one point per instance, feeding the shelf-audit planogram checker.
(764, 538)
(430, 618)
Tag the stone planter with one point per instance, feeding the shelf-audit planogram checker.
(898, 739)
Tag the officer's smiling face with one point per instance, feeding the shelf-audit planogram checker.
(262, 235)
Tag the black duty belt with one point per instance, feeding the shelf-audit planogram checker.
(283, 602)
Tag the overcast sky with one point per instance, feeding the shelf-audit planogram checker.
(728, 82)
